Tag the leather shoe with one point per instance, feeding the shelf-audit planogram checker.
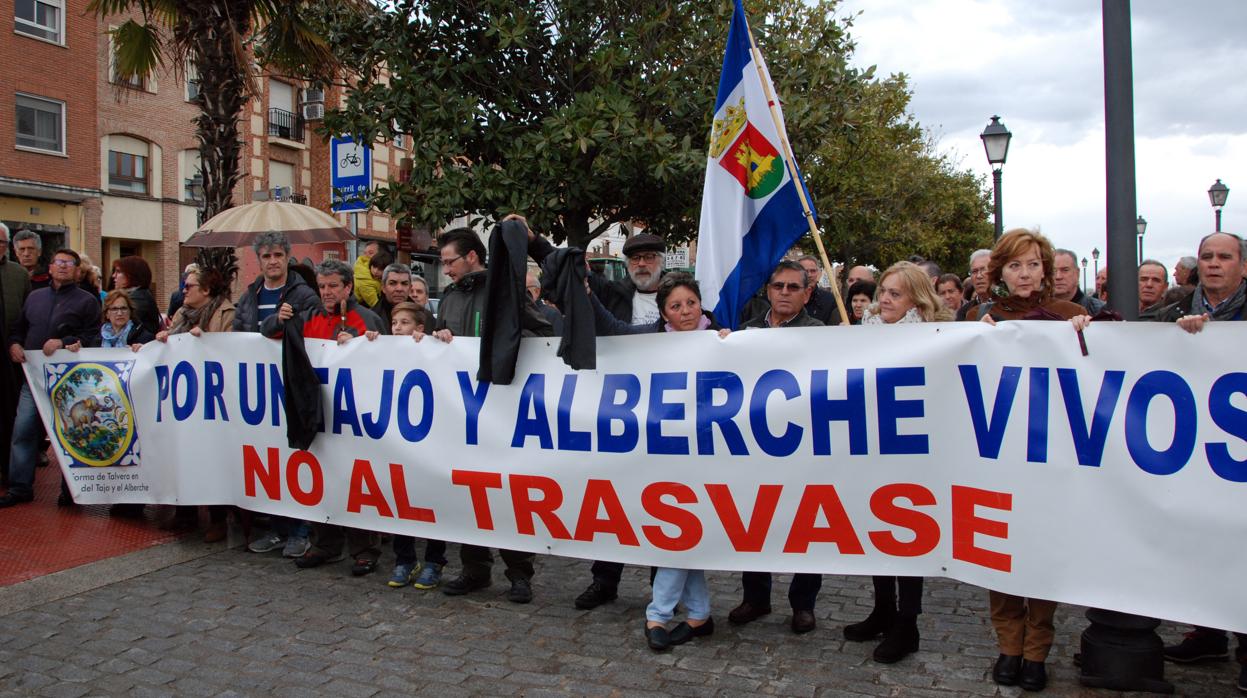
(657, 638)
(1007, 668)
(803, 621)
(684, 632)
(1033, 676)
(463, 584)
(595, 595)
(900, 641)
(10, 499)
(747, 613)
(875, 624)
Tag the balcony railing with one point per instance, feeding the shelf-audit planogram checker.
(284, 124)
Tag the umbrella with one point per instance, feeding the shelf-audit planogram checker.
(238, 226)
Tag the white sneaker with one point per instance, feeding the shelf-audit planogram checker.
(296, 546)
(266, 543)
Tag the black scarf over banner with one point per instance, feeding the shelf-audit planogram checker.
(301, 386)
(563, 280)
(505, 299)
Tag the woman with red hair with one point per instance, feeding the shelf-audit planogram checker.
(132, 275)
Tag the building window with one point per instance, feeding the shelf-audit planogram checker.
(40, 124)
(192, 83)
(127, 172)
(42, 19)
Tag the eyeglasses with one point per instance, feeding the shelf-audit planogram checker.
(64, 263)
(647, 257)
(452, 260)
(977, 272)
(119, 309)
(780, 287)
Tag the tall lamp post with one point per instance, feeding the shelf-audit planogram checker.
(1084, 274)
(1217, 194)
(1141, 226)
(996, 143)
(1095, 255)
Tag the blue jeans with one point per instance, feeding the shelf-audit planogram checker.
(405, 551)
(27, 434)
(671, 586)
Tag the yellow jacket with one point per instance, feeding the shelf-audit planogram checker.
(367, 289)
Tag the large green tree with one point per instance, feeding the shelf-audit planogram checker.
(583, 114)
(227, 42)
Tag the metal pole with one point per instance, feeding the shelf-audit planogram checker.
(1123, 286)
(1218, 228)
(1000, 224)
(1084, 278)
(1119, 650)
(1140, 250)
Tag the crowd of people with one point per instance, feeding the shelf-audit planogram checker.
(60, 305)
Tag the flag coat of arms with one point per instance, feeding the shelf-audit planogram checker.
(751, 213)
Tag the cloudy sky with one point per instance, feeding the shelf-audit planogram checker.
(1039, 65)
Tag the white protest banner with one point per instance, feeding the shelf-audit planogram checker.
(1000, 456)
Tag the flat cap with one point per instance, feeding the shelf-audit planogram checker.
(644, 242)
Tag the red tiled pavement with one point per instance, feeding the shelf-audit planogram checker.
(40, 538)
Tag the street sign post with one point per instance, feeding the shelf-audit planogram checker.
(350, 174)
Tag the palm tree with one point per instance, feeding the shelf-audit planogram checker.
(227, 42)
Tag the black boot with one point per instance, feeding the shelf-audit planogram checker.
(900, 641)
(1033, 676)
(1007, 668)
(876, 624)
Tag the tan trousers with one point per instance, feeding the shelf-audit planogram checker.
(1023, 626)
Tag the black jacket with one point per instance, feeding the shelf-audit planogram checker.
(563, 279)
(801, 319)
(505, 302)
(608, 324)
(145, 312)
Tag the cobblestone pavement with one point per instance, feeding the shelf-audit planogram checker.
(235, 623)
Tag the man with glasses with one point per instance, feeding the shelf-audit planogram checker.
(788, 290)
(979, 261)
(60, 316)
(462, 314)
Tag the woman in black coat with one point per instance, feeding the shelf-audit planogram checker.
(132, 275)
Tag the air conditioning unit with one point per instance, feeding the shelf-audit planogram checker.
(313, 111)
(313, 94)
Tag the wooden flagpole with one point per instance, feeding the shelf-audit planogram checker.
(791, 164)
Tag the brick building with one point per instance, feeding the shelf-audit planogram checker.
(107, 167)
(49, 152)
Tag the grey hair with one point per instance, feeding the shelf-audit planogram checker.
(4, 229)
(1188, 262)
(1068, 253)
(417, 279)
(810, 257)
(272, 238)
(28, 235)
(978, 253)
(395, 268)
(330, 267)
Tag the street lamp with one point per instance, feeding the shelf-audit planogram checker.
(996, 143)
(1095, 255)
(1141, 226)
(195, 187)
(1084, 274)
(1217, 194)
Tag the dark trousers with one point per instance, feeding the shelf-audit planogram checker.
(330, 539)
(801, 593)
(478, 563)
(907, 603)
(405, 551)
(608, 574)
